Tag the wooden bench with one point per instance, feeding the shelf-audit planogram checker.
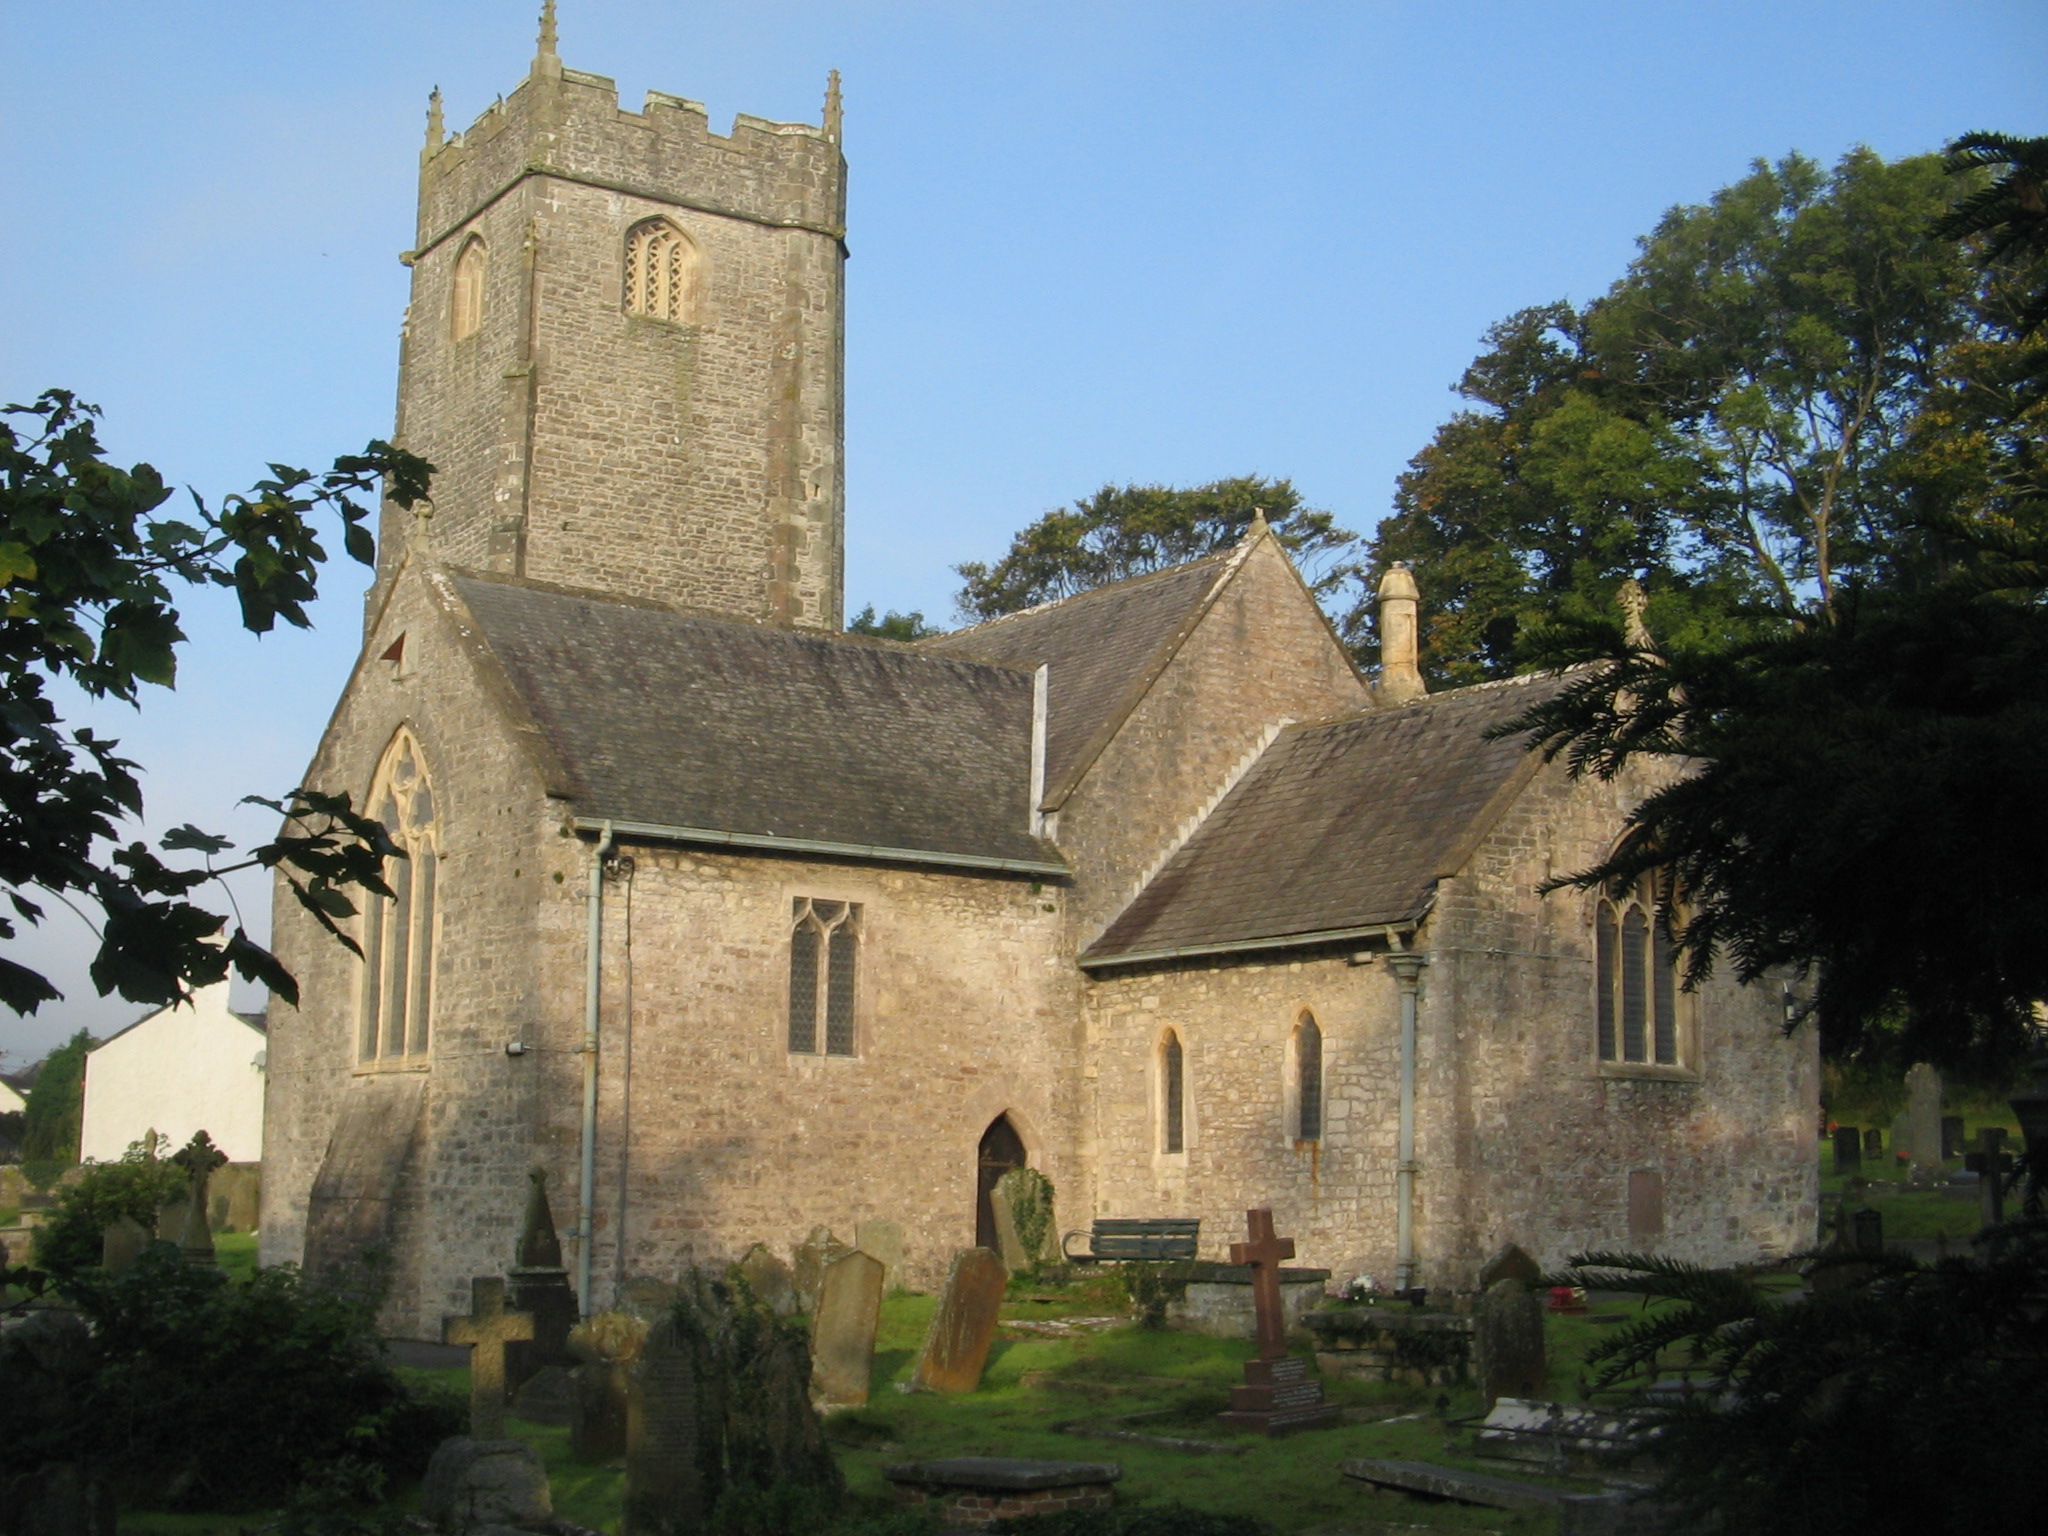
(1118, 1239)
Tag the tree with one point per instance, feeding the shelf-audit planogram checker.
(1128, 530)
(89, 573)
(891, 626)
(1723, 425)
(55, 1111)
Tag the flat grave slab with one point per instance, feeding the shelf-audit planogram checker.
(973, 1493)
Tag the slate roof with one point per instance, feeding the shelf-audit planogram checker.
(1340, 825)
(1101, 649)
(675, 720)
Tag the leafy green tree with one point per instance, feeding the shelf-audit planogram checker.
(89, 571)
(139, 1185)
(56, 1107)
(1128, 530)
(891, 625)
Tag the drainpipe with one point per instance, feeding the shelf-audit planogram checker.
(1407, 969)
(593, 978)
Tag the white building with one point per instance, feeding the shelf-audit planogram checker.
(195, 1067)
(10, 1101)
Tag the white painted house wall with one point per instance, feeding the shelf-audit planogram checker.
(10, 1101)
(185, 1069)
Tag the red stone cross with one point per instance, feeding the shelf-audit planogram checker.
(487, 1330)
(1263, 1253)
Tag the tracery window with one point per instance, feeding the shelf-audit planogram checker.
(1636, 998)
(396, 1009)
(1308, 1079)
(824, 959)
(661, 272)
(1172, 1095)
(466, 294)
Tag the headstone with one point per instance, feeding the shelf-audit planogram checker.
(1278, 1393)
(472, 1483)
(1873, 1145)
(59, 1498)
(1507, 1343)
(1026, 1228)
(1511, 1263)
(245, 1196)
(1991, 1174)
(645, 1297)
(198, 1157)
(882, 1240)
(1868, 1227)
(1951, 1137)
(665, 1494)
(121, 1244)
(1009, 1243)
(1848, 1149)
(170, 1221)
(606, 1345)
(770, 1280)
(487, 1330)
(807, 1265)
(545, 1397)
(1923, 1116)
(843, 1331)
(538, 1285)
(956, 1348)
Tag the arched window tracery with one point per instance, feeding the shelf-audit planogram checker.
(395, 1016)
(1636, 1001)
(661, 272)
(466, 293)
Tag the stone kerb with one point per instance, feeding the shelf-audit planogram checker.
(973, 1493)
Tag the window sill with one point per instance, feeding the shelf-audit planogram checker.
(1647, 1071)
(397, 1064)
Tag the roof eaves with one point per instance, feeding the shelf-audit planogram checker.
(768, 842)
(1388, 931)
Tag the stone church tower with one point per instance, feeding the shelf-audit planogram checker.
(624, 351)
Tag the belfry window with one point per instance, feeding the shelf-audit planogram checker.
(824, 960)
(1172, 1095)
(466, 293)
(1635, 981)
(396, 1008)
(661, 272)
(1308, 1079)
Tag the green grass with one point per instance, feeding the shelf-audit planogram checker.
(1916, 1214)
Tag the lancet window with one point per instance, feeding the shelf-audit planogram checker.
(1308, 1079)
(824, 961)
(1636, 998)
(466, 293)
(1172, 1095)
(395, 1016)
(661, 272)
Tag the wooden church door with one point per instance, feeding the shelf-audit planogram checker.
(1001, 1150)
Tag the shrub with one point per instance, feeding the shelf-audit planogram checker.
(1029, 1195)
(138, 1186)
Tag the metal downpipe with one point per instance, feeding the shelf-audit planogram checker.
(1407, 969)
(593, 997)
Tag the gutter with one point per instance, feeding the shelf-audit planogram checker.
(658, 832)
(1407, 968)
(1391, 932)
(593, 997)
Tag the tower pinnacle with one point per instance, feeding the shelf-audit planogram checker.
(547, 60)
(436, 131)
(833, 113)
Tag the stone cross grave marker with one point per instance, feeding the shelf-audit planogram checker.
(1278, 1393)
(199, 1157)
(664, 1482)
(843, 1332)
(487, 1330)
(964, 1327)
(539, 1286)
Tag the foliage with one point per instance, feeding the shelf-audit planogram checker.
(138, 1187)
(1153, 1286)
(88, 573)
(1725, 424)
(1123, 531)
(1914, 1401)
(192, 1391)
(2010, 215)
(55, 1111)
(1029, 1195)
(891, 625)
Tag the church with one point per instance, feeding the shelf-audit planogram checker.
(738, 925)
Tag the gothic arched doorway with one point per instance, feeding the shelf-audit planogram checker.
(1001, 1150)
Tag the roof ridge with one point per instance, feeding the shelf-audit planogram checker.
(1121, 584)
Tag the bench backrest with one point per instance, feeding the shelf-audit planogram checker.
(1161, 1238)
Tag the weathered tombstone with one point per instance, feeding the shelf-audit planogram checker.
(1873, 1145)
(1868, 1225)
(770, 1280)
(198, 1157)
(1848, 1149)
(121, 1244)
(245, 1197)
(1951, 1137)
(645, 1297)
(1009, 1243)
(1507, 1343)
(808, 1263)
(607, 1345)
(1278, 1393)
(956, 1348)
(843, 1331)
(882, 1240)
(1511, 1263)
(665, 1493)
(539, 1286)
(1991, 1167)
(1923, 1116)
(473, 1485)
(59, 1498)
(487, 1330)
(1022, 1202)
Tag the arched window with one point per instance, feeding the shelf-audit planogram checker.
(466, 294)
(398, 930)
(661, 272)
(1308, 1079)
(1172, 1100)
(824, 953)
(1635, 981)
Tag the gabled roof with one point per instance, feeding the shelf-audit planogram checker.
(1103, 648)
(1341, 827)
(676, 724)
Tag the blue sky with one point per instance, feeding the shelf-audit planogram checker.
(1091, 242)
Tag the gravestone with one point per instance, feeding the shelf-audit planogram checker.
(59, 1498)
(121, 1244)
(1026, 1228)
(770, 1280)
(538, 1286)
(1511, 1263)
(1507, 1343)
(1952, 1137)
(843, 1331)
(956, 1348)
(1873, 1145)
(1009, 1242)
(1991, 1167)
(474, 1485)
(1923, 1117)
(1868, 1227)
(487, 1330)
(882, 1240)
(1278, 1393)
(1848, 1149)
(808, 1263)
(606, 1347)
(665, 1493)
(198, 1157)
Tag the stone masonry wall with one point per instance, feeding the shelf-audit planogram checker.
(695, 463)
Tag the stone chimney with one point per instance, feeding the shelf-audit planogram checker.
(1400, 677)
